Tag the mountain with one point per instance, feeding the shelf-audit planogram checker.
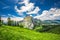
(48, 22)
(51, 22)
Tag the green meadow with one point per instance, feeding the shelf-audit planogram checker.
(17, 33)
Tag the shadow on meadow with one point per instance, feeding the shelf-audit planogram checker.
(49, 28)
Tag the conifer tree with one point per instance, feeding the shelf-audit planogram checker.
(0, 21)
(9, 21)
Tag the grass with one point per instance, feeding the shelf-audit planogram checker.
(17, 33)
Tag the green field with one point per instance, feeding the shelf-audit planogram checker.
(17, 33)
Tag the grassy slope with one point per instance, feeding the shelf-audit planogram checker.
(16, 33)
(55, 30)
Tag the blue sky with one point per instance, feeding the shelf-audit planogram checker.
(37, 7)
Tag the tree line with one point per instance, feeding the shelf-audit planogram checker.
(10, 22)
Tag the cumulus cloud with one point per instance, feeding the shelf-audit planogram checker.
(4, 19)
(34, 11)
(26, 2)
(10, 15)
(28, 7)
(52, 14)
(12, 18)
(17, 18)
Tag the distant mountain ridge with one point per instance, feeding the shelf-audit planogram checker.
(49, 22)
(52, 21)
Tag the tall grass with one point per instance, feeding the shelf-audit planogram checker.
(17, 33)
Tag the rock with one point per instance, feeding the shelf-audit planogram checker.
(28, 22)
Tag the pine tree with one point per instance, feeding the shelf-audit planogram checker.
(0, 21)
(9, 21)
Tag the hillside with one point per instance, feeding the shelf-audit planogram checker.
(55, 30)
(17, 33)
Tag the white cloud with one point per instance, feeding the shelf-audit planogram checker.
(51, 14)
(29, 8)
(6, 7)
(3, 15)
(10, 15)
(4, 19)
(34, 11)
(12, 18)
(17, 18)
(26, 2)
(13, 1)
(31, 15)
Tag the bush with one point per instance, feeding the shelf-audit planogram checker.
(0, 24)
(21, 26)
(38, 28)
(43, 28)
